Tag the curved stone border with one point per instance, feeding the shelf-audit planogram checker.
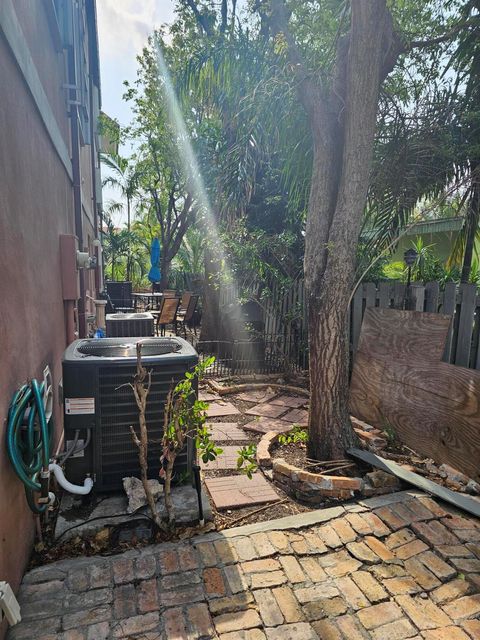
(264, 458)
(313, 487)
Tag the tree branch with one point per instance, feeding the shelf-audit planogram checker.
(141, 386)
(445, 37)
(158, 213)
(200, 18)
(182, 224)
(308, 90)
(224, 14)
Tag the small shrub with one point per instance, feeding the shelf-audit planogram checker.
(297, 434)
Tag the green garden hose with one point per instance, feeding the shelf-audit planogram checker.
(29, 433)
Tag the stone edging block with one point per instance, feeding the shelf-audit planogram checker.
(313, 487)
(263, 449)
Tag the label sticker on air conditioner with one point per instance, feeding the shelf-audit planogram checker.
(79, 406)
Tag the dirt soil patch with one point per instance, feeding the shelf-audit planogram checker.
(296, 455)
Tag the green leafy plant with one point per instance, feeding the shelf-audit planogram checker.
(247, 460)
(205, 446)
(297, 434)
(185, 417)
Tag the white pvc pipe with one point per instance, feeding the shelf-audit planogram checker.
(68, 486)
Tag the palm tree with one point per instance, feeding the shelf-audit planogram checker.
(116, 244)
(124, 177)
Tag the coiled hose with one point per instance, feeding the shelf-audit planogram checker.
(29, 435)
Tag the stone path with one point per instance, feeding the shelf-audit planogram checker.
(239, 491)
(388, 568)
(227, 460)
(225, 431)
(264, 425)
(273, 411)
(267, 410)
(220, 408)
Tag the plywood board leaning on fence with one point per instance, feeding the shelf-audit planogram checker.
(399, 381)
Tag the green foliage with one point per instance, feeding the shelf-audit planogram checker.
(185, 415)
(390, 434)
(116, 245)
(370, 267)
(205, 446)
(395, 271)
(297, 434)
(247, 461)
(427, 267)
(238, 97)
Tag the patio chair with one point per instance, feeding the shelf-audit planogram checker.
(167, 315)
(120, 294)
(169, 293)
(185, 299)
(186, 317)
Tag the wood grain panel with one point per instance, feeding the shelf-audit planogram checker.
(399, 380)
(403, 335)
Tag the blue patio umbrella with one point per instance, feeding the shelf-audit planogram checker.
(154, 274)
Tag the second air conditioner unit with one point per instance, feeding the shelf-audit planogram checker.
(129, 324)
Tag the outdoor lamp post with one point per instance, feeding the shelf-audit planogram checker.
(410, 256)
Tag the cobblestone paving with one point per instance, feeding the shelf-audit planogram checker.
(389, 568)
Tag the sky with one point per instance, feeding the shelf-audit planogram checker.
(123, 29)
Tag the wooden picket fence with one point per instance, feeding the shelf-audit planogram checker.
(286, 317)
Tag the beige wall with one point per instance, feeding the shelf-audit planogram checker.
(442, 244)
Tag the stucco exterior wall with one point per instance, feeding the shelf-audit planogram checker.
(36, 207)
(49, 62)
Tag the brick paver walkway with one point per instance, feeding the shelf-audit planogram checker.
(226, 431)
(221, 408)
(240, 491)
(269, 405)
(389, 568)
(227, 459)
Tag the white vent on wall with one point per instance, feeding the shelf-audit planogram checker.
(9, 604)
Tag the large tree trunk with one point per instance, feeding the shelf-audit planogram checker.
(211, 328)
(164, 271)
(330, 432)
(343, 127)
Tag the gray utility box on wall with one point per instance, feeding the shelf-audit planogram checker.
(129, 324)
(97, 397)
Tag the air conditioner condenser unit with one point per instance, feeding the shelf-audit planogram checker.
(98, 400)
(129, 324)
